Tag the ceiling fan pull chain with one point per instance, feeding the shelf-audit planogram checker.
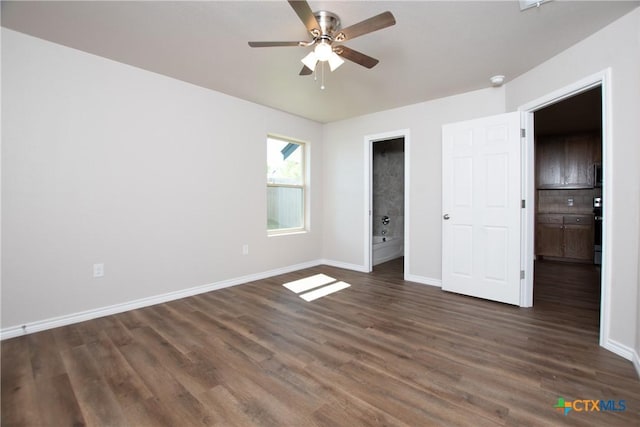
(322, 85)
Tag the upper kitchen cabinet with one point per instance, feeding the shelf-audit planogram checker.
(567, 161)
(550, 162)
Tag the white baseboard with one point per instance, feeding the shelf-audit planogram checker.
(345, 265)
(619, 349)
(636, 362)
(423, 280)
(55, 322)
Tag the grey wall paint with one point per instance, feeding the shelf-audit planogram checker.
(160, 180)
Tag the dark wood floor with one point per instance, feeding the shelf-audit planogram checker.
(381, 352)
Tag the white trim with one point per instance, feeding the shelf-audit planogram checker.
(602, 79)
(422, 280)
(528, 214)
(368, 191)
(368, 205)
(407, 198)
(345, 265)
(55, 322)
(636, 362)
(619, 349)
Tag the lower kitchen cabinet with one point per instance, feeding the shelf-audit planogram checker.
(549, 239)
(565, 236)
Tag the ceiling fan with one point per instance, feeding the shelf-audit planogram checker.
(327, 36)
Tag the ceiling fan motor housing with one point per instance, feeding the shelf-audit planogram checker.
(329, 22)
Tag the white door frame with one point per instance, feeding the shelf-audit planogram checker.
(369, 140)
(602, 79)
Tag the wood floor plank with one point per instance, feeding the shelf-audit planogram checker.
(164, 386)
(67, 338)
(95, 398)
(243, 378)
(227, 409)
(382, 352)
(124, 382)
(118, 334)
(57, 402)
(151, 412)
(45, 355)
(19, 400)
(179, 365)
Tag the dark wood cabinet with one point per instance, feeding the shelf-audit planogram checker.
(567, 162)
(550, 159)
(565, 236)
(549, 236)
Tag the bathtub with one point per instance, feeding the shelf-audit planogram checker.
(387, 248)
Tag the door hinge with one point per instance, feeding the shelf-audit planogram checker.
(523, 132)
(523, 204)
(522, 274)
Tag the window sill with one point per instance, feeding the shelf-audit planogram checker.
(287, 232)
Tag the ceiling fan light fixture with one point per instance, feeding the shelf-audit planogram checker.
(335, 61)
(310, 60)
(323, 51)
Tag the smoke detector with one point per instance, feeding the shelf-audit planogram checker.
(497, 81)
(528, 4)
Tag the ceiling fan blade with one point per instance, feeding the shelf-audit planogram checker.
(306, 71)
(273, 44)
(378, 22)
(357, 57)
(306, 16)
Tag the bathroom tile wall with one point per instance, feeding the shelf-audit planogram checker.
(388, 186)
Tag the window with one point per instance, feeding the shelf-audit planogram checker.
(285, 185)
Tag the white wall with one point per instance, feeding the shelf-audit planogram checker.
(616, 46)
(160, 180)
(344, 169)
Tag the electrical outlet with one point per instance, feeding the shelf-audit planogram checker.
(98, 270)
(570, 201)
(245, 249)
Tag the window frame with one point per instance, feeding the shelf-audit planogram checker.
(304, 146)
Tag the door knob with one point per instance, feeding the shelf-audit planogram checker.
(445, 216)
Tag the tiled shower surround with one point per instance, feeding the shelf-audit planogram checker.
(388, 186)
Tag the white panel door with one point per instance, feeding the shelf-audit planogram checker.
(481, 208)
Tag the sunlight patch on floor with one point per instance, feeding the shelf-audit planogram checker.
(324, 291)
(317, 283)
(307, 283)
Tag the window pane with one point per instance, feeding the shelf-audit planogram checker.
(284, 208)
(284, 162)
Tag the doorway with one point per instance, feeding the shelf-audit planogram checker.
(387, 200)
(601, 79)
(387, 203)
(568, 203)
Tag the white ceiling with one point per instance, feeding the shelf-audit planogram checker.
(436, 49)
